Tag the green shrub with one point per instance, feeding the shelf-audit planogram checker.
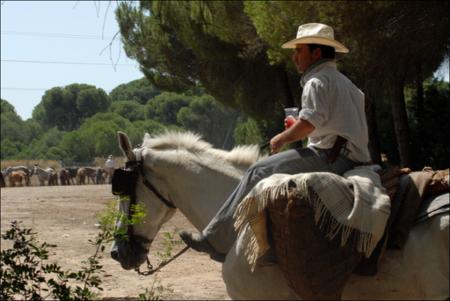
(25, 273)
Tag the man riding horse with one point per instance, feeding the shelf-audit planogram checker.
(332, 118)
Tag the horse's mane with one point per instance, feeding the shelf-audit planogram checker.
(169, 140)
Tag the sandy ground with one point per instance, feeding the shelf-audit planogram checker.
(67, 216)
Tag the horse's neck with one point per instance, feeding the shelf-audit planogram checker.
(200, 188)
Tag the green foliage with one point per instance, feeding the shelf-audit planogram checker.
(67, 107)
(12, 127)
(91, 101)
(210, 119)
(40, 147)
(6, 107)
(25, 273)
(139, 90)
(130, 110)
(156, 291)
(164, 107)
(96, 137)
(149, 126)
(169, 242)
(180, 44)
(248, 132)
(10, 149)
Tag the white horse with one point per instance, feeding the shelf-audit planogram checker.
(196, 179)
(43, 175)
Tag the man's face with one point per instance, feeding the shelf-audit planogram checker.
(303, 57)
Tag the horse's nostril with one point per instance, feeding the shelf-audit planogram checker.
(115, 255)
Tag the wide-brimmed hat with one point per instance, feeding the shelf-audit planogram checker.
(316, 33)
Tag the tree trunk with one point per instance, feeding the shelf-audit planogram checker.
(419, 98)
(286, 87)
(370, 104)
(400, 117)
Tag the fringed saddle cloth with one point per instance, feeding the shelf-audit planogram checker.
(350, 210)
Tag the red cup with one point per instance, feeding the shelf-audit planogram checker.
(289, 121)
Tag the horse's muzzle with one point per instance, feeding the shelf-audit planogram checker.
(129, 254)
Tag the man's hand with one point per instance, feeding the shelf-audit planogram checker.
(298, 131)
(276, 143)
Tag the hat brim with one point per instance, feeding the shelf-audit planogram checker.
(292, 44)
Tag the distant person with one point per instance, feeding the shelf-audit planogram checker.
(109, 166)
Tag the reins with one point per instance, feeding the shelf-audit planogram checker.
(150, 268)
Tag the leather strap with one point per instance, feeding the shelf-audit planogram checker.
(336, 149)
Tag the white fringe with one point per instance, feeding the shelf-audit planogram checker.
(250, 216)
(363, 242)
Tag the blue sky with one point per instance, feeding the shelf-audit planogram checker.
(55, 32)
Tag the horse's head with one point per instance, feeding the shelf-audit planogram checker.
(136, 182)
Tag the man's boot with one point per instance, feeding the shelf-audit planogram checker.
(199, 243)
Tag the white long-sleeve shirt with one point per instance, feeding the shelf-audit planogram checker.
(335, 106)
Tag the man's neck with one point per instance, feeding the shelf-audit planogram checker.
(312, 67)
(315, 64)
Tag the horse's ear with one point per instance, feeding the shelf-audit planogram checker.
(125, 146)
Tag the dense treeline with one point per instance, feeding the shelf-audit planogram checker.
(39, 138)
(79, 122)
(216, 68)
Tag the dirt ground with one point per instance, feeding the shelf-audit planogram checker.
(67, 216)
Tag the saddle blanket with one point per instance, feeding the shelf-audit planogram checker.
(354, 205)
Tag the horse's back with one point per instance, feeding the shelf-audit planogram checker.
(420, 270)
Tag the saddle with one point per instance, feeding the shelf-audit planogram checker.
(415, 197)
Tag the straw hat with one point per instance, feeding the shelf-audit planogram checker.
(316, 33)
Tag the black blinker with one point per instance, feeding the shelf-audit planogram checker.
(124, 181)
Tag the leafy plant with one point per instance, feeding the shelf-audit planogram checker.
(25, 274)
(156, 292)
(169, 242)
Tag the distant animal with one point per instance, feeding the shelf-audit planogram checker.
(84, 173)
(64, 177)
(53, 179)
(2, 180)
(100, 175)
(28, 172)
(72, 174)
(45, 175)
(17, 178)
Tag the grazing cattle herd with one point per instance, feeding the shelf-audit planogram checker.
(23, 175)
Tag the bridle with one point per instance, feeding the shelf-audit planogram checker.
(124, 184)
